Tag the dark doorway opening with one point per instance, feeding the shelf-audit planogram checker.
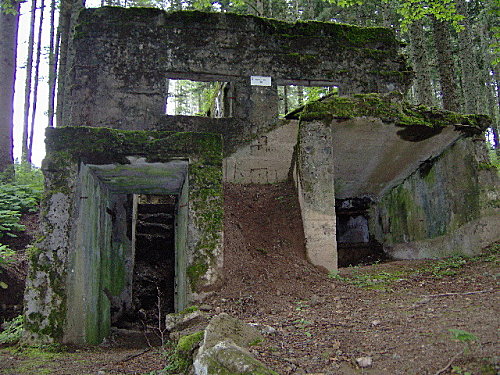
(355, 245)
(153, 280)
(153, 285)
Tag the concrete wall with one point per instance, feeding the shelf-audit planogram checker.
(450, 205)
(267, 159)
(119, 59)
(97, 266)
(82, 264)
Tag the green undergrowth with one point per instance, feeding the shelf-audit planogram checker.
(37, 360)
(18, 195)
(12, 330)
(364, 277)
(179, 358)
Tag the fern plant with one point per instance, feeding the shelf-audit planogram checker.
(19, 196)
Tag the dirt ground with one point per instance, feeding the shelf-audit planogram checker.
(396, 314)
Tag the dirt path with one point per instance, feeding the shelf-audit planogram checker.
(399, 314)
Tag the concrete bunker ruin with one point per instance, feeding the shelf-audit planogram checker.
(132, 217)
(118, 161)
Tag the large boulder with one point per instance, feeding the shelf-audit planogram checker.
(224, 349)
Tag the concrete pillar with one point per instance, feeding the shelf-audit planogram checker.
(315, 183)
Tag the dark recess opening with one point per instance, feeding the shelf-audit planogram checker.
(153, 282)
(355, 245)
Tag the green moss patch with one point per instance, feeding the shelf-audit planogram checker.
(389, 108)
(93, 145)
(181, 358)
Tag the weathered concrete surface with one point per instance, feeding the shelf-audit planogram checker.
(225, 349)
(82, 264)
(142, 177)
(432, 189)
(371, 158)
(265, 160)
(120, 58)
(450, 205)
(379, 140)
(315, 185)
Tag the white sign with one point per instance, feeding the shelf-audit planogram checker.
(260, 81)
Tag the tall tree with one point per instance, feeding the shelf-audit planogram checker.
(446, 65)
(27, 85)
(53, 59)
(9, 21)
(421, 64)
(29, 149)
(468, 65)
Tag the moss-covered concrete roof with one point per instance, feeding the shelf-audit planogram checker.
(105, 146)
(389, 108)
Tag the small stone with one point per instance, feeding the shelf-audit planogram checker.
(364, 362)
(375, 323)
(101, 372)
(206, 307)
(268, 330)
(315, 300)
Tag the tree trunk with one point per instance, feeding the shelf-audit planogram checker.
(488, 100)
(420, 60)
(29, 151)
(447, 77)
(300, 95)
(8, 54)
(53, 54)
(467, 53)
(27, 85)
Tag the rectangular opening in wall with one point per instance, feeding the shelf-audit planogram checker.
(355, 245)
(153, 283)
(293, 96)
(197, 98)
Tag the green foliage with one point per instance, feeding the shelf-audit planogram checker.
(9, 222)
(5, 254)
(459, 370)
(19, 196)
(13, 330)
(8, 6)
(378, 281)
(180, 358)
(414, 10)
(448, 267)
(494, 158)
(440, 268)
(462, 336)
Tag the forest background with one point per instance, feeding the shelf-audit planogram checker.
(452, 45)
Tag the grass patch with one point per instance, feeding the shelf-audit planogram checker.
(447, 267)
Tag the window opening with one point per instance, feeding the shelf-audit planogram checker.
(293, 96)
(197, 98)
